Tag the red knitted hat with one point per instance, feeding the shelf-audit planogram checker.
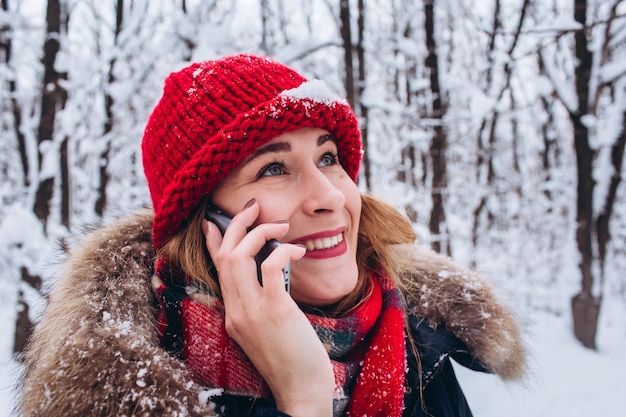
(214, 114)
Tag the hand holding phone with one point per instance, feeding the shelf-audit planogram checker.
(222, 220)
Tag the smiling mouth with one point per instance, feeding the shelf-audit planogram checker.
(323, 243)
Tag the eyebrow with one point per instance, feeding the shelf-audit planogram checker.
(325, 138)
(286, 146)
(271, 148)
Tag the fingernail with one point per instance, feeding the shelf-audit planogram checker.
(249, 203)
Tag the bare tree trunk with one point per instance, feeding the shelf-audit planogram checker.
(403, 93)
(497, 24)
(509, 73)
(105, 177)
(439, 142)
(52, 100)
(65, 183)
(346, 36)
(485, 157)
(549, 142)
(190, 44)
(6, 45)
(585, 306)
(264, 26)
(617, 157)
(602, 226)
(360, 48)
(409, 162)
(485, 152)
(23, 324)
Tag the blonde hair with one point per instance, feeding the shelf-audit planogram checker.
(382, 229)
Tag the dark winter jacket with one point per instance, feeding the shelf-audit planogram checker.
(442, 395)
(96, 350)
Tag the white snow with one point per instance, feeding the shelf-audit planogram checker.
(565, 379)
(314, 90)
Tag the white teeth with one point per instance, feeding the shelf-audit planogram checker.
(323, 243)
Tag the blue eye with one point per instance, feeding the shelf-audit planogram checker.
(328, 159)
(274, 168)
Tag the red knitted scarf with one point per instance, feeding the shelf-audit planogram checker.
(367, 349)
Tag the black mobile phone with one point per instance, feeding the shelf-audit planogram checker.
(222, 220)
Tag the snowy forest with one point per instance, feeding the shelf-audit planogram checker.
(497, 126)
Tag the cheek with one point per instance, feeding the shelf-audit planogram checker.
(274, 207)
(353, 202)
(228, 198)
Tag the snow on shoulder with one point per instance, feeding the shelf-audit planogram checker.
(314, 90)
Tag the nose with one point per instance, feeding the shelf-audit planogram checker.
(320, 193)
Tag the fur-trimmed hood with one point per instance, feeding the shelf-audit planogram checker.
(96, 350)
(446, 295)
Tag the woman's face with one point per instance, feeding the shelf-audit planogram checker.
(297, 177)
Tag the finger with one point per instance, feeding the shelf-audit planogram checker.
(272, 267)
(256, 238)
(214, 243)
(249, 247)
(213, 237)
(234, 263)
(240, 224)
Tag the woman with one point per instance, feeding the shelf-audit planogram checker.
(161, 314)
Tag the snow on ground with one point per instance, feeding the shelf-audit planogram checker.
(565, 379)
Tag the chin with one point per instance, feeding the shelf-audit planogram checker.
(307, 288)
(326, 297)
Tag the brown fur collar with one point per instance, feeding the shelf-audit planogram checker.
(96, 350)
(460, 300)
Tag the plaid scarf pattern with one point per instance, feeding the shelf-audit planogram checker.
(366, 347)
